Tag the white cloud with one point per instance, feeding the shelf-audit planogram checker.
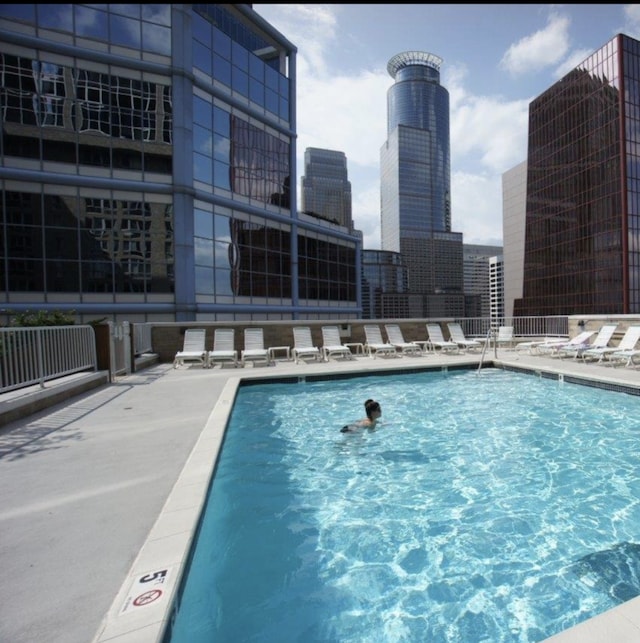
(576, 57)
(476, 207)
(541, 49)
(490, 130)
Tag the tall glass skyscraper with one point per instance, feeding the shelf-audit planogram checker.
(581, 250)
(416, 182)
(326, 189)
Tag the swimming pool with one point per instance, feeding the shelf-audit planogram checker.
(501, 507)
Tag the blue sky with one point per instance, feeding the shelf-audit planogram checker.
(496, 60)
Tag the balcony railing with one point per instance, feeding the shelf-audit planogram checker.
(35, 355)
(552, 326)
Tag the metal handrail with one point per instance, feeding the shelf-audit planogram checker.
(484, 349)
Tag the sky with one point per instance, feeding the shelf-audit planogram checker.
(496, 60)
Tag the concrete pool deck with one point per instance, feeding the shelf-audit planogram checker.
(99, 496)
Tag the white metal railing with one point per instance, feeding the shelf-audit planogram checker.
(38, 354)
(142, 339)
(550, 326)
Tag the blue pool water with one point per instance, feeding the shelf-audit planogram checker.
(498, 507)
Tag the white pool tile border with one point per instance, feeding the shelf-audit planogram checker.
(143, 606)
(169, 542)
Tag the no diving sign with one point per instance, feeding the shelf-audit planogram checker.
(148, 589)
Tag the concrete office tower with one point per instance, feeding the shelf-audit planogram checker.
(583, 195)
(326, 190)
(477, 278)
(514, 205)
(416, 183)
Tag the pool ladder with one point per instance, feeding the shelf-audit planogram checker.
(484, 349)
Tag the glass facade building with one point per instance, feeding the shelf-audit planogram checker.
(146, 161)
(384, 285)
(325, 187)
(582, 235)
(415, 179)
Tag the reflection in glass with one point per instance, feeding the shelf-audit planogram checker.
(90, 23)
(56, 16)
(156, 39)
(125, 31)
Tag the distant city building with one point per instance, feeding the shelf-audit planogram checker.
(326, 190)
(477, 278)
(583, 195)
(145, 181)
(384, 285)
(415, 184)
(514, 206)
(496, 290)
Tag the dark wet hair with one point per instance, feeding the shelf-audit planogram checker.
(370, 406)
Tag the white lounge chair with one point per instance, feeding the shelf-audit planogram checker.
(505, 336)
(627, 345)
(456, 334)
(601, 340)
(437, 340)
(254, 350)
(395, 336)
(332, 345)
(303, 345)
(552, 348)
(532, 345)
(223, 348)
(375, 345)
(193, 348)
(627, 354)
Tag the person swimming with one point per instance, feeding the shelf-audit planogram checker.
(373, 411)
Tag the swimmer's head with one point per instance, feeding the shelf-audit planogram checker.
(371, 407)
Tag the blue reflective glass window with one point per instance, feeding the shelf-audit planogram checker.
(222, 228)
(202, 57)
(202, 112)
(221, 178)
(284, 108)
(240, 81)
(132, 10)
(201, 29)
(203, 223)
(240, 56)
(272, 79)
(202, 140)
(159, 14)
(156, 39)
(256, 68)
(202, 168)
(203, 251)
(204, 280)
(221, 148)
(56, 16)
(222, 70)
(271, 101)
(223, 282)
(221, 254)
(256, 91)
(284, 85)
(221, 44)
(221, 122)
(125, 31)
(91, 23)
(26, 12)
